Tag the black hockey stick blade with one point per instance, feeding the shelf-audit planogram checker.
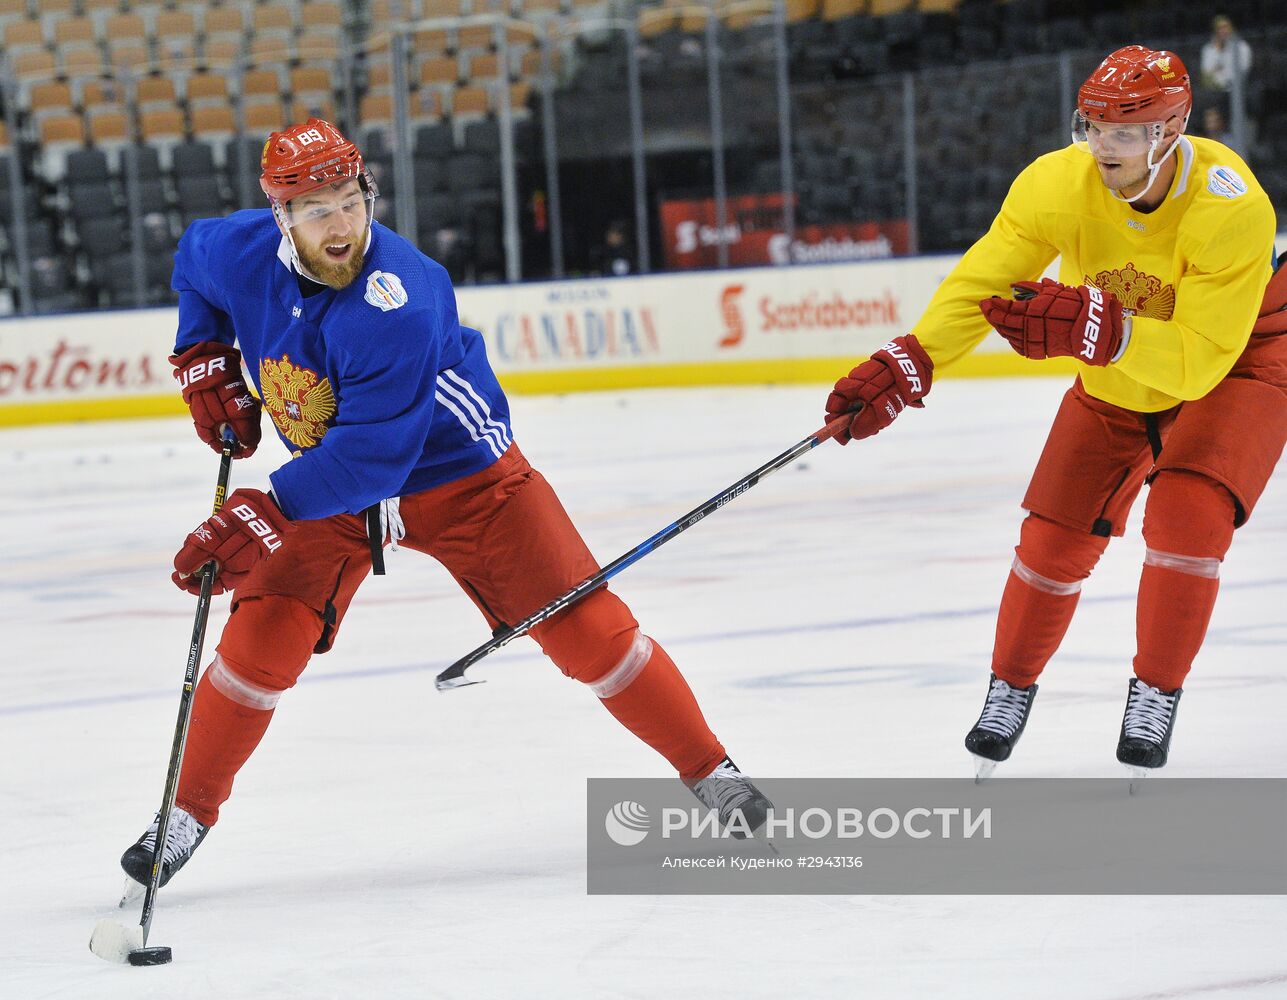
(447, 680)
(454, 676)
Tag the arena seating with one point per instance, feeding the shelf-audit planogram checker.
(182, 95)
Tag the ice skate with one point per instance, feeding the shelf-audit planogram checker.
(1005, 713)
(739, 804)
(1146, 728)
(182, 838)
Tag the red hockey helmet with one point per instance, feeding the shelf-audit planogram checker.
(306, 157)
(1136, 85)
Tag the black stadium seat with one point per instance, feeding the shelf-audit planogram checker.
(434, 140)
(87, 165)
(102, 238)
(193, 159)
(92, 199)
(430, 176)
(483, 137)
(199, 195)
(53, 287)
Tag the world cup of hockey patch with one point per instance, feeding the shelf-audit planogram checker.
(384, 291)
(1225, 182)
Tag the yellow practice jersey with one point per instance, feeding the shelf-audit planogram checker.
(1193, 270)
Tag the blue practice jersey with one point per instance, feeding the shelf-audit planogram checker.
(377, 389)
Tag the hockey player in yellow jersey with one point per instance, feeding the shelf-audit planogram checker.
(1165, 247)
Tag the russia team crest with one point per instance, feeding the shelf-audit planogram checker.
(384, 291)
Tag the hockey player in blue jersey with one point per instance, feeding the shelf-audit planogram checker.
(387, 405)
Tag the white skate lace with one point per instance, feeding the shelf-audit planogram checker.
(1003, 710)
(1148, 713)
(391, 525)
(182, 834)
(725, 789)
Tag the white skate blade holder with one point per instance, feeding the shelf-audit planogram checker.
(131, 894)
(1138, 774)
(983, 769)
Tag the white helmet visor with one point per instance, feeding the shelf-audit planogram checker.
(1116, 138)
(323, 208)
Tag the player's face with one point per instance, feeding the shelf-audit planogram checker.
(1122, 154)
(329, 229)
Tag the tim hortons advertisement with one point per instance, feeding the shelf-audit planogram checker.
(700, 327)
(84, 357)
(754, 234)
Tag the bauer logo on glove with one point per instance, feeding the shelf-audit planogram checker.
(272, 542)
(209, 376)
(250, 527)
(194, 375)
(1048, 319)
(878, 390)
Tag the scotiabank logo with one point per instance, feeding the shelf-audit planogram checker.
(691, 236)
(731, 313)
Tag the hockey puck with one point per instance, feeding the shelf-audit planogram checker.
(160, 955)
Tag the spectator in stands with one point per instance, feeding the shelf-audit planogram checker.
(1215, 127)
(1225, 55)
(612, 258)
(451, 248)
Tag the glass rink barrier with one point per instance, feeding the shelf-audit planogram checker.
(532, 139)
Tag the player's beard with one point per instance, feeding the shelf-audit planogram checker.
(337, 276)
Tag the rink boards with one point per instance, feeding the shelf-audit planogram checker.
(747, 326)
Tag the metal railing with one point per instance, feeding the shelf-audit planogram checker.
(708, 114)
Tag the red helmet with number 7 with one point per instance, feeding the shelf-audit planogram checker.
(306, 157)
(1136, 85)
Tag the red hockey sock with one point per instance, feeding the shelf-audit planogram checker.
(223, 735)
(263, 650)
(599, 643)
(1040, 597)
(1188, 527)
(648, 695)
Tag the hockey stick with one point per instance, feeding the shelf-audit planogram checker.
(454, 675)
(111, 940)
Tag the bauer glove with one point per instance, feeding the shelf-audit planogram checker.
(1047, 319)
(247, 528)
(209, 375)
(895, 377)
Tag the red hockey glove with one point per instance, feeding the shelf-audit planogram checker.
(248, 527)
(209, 374)
(1052, 320)
(895, 377)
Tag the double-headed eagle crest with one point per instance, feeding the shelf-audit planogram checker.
(298, 402)
(1141, 293)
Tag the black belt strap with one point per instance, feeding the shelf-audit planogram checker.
(1154, 435)
(376, 537)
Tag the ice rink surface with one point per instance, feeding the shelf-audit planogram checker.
(387, 841)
